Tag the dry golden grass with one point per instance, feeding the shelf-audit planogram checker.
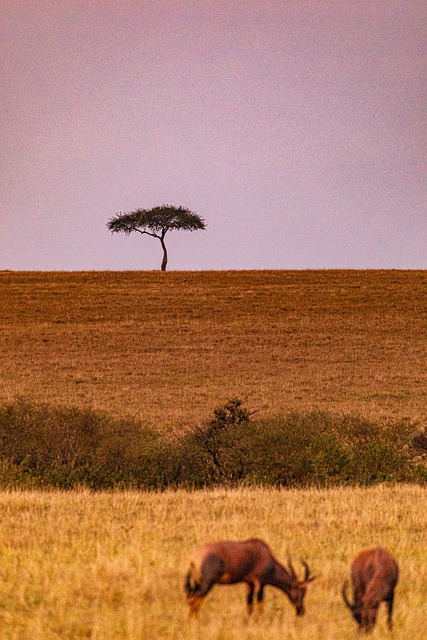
(169, 347)
(111, 566)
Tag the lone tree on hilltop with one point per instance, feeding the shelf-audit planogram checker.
(156, 222)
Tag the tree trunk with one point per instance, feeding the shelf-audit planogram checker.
(165, 255)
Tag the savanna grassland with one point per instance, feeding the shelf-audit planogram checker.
(165, 349)
(169, 347)
(111, 566)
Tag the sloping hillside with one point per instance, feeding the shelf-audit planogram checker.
(169, 347)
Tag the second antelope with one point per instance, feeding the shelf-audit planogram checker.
(374, 574)
(249, 561)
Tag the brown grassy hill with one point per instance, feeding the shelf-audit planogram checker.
(169, 347)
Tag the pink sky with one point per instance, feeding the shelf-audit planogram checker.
(297, 129)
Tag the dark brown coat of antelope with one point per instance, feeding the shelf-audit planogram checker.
(374, 574)
(249, 561)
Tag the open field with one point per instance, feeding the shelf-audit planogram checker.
(110, 566)
(169, 347)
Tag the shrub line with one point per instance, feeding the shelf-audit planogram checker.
(44, 446)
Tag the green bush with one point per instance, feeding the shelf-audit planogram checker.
(297, 449)
(68, 447)
(294, 450)
(419, 441)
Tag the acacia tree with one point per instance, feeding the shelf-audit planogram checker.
(156, 222)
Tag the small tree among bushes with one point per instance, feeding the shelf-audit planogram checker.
(218, 442)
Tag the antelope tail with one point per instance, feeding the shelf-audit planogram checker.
(192, 582)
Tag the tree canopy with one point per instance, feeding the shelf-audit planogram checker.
(156, 222)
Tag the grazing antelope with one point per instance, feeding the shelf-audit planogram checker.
(249, 561)
(374, 574)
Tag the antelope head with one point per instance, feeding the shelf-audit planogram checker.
(299, 587)
(356, 609)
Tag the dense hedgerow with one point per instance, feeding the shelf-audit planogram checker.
(67, 447)
(43, 446)
(301, 449)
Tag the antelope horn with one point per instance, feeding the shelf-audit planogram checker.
(291, 569)
(345, 597)
(307, 570)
